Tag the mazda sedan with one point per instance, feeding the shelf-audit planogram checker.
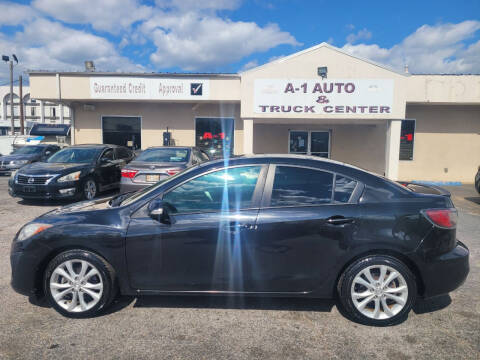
(291, 226)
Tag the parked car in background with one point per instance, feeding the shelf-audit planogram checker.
(477, 180)
(258, 225)
(25, 155)
(77, 172)
(158, 163)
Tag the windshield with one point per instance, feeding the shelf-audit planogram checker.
(164, 155)
(24, 150)
(71, 155)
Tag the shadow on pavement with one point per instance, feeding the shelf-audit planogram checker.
(423, 306)
(475, 199)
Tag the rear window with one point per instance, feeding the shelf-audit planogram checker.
(344, 188)
(164, 155)
(295, 186)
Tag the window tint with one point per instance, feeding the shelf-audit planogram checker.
(294, 186)
(123, 153)
(220, 190)
(344, 188)
(108, 154)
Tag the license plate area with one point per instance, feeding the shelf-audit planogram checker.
(153, 178)
(29, 189)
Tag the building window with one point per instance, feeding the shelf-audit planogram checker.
(316, 143)
(53, 112)
(32, 111)
(215, 135)
(407, 137)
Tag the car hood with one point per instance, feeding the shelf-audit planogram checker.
(143, 165)
(13, 157)
(82, 206)
(42, 168)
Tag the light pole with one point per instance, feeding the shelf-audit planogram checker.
(12, 114)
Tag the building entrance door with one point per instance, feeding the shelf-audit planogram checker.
(122, 130)
(316, 143)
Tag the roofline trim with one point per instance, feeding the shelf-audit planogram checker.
(331, 47)
(113, 74)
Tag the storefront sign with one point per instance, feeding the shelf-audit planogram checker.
(346, 97)
(144, 88)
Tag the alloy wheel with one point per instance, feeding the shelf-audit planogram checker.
(76, 285)
(379, 292)
(90, 189)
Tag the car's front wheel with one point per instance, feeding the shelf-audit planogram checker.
(377, 290)
(79, 283)
(89, 189)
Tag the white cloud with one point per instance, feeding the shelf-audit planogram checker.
(47, 45)
(440, 48)
(113, 16)
(194, 40)
(249, 65)
(362, 34)
(192, 5)
(13, 14)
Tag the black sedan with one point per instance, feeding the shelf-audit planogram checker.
(76, 172)
(260, 225)
(25, 155)
(157, 163)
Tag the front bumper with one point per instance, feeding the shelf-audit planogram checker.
(24, 270)
(54, 190)
(446, 272)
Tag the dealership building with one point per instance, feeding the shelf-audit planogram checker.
(321, 101)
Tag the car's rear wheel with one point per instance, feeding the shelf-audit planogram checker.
(79, 283)
(377, 290)
(89, 189)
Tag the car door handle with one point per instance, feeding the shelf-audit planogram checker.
(240, 226)
(339, 220)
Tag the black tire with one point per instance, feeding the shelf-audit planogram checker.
(84, 195)
(105, 270)
(345, 290)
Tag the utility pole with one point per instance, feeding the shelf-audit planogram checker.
(11, 98)
(20, 93)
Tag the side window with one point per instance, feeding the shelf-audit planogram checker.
(108, 154)
(227, 189)
(344, 188)
(295, 186)
(122, 153)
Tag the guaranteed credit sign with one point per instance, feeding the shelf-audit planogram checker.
(138, 88)
(348, 97)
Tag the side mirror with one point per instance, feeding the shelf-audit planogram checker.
(48, 153)
(104, 160)
(158, 210)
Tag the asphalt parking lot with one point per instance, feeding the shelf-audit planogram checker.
(207, 328)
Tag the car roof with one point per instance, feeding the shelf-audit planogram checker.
(171, 147)
(97, 146)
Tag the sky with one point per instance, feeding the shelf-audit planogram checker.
(231, 36)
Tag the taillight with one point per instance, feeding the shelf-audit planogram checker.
(127, 173)
(444, 218)
(172, 171)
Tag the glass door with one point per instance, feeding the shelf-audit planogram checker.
(298, 142)
(316, 143)
(320, 143)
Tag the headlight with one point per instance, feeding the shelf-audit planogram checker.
(31, 229)
(70, 177)
(13, 174)
(18, 162)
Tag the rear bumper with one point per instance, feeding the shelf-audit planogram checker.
(446, 272)
(131, 186)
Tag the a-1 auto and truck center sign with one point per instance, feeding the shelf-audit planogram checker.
(348, 97)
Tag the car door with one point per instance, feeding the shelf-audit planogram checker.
(107, 169)
(199, 249)
(305, 222)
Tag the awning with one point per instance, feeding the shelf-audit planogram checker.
(50, 130)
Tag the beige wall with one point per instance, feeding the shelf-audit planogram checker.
(77, 87)
(360, 145)
(446, 145)
(444, 89)
(156, 117)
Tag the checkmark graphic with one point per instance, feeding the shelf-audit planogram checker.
(196, 89)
